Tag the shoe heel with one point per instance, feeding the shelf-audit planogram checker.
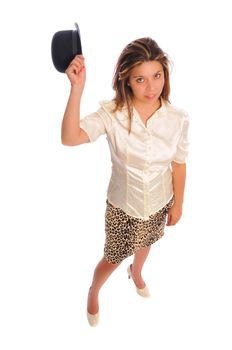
(129, 272)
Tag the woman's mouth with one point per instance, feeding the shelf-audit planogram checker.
(150, 96)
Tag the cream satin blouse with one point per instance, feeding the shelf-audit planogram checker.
(141, 180)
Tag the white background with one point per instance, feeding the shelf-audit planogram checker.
(53, 197)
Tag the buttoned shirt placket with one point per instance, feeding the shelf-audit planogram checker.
(147, 162)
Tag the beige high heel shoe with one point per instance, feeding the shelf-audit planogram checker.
(93, 319)
(143, 292)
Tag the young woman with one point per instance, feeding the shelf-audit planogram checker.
(148, 142)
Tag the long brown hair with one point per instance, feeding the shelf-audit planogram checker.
(134, 54)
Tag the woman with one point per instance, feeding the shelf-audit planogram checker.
(148, 142)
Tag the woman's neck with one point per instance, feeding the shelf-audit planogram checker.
(146, 110)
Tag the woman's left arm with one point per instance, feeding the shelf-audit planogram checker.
(178, 179)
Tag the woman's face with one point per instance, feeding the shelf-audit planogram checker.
(147, 82)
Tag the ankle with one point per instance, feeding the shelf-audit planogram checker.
(92, 304)
(93, 292)
(135, 272)
(137, 278)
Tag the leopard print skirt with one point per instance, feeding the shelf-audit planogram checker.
(126, 234)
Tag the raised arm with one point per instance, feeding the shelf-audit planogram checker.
(71, 133)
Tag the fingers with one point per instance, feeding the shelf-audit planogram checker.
(79, 56)
(171, 220)
(174, 215)
(79, 59)
(76, 65)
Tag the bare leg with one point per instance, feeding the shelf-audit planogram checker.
(102, 272)
(136, 268)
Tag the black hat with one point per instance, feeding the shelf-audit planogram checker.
(66, 44)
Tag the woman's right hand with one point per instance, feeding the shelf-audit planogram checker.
(76, 72)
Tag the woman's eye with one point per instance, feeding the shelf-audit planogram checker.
(139, 80)
(157, 76)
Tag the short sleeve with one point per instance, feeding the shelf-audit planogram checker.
(183, 143)
(94, 125)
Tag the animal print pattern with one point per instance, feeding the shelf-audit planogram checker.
(126, 234)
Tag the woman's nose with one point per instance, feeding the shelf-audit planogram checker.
(150, 85)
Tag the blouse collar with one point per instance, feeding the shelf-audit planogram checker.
(158, 112)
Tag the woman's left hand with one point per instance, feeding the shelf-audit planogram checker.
(174, 214)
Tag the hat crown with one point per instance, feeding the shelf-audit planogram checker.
(66, 44)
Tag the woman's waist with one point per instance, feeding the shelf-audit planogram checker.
(141, 175)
